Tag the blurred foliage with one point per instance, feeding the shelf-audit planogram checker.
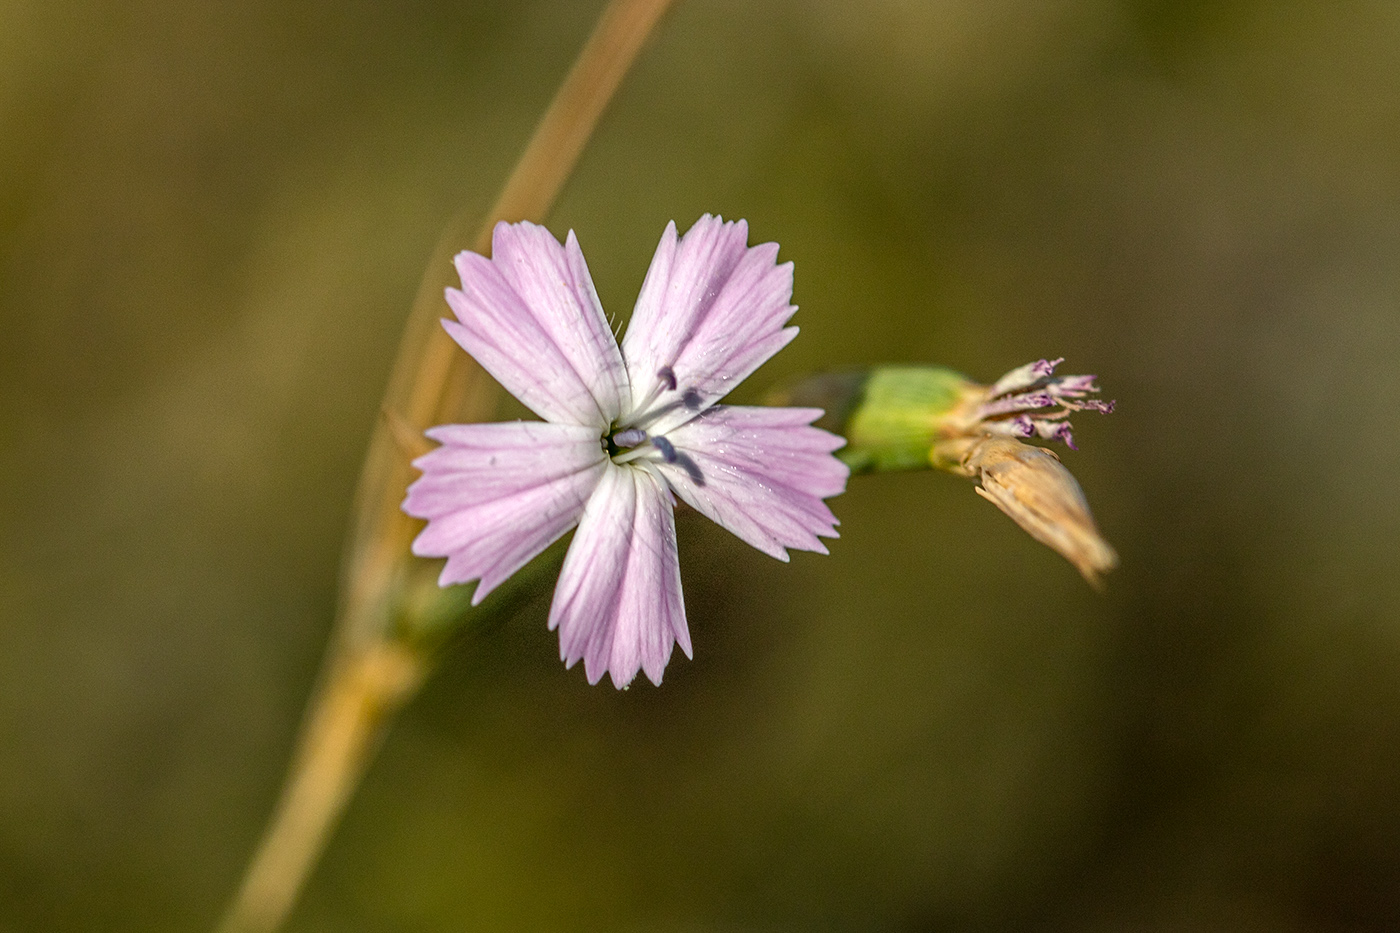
(212, 221)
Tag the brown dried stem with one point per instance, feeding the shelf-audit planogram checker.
(373, 667)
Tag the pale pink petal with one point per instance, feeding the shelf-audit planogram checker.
(618, 604)
(710, 312)
(496, 495)
(760, 472)
(530, 316)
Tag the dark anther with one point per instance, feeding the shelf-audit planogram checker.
(668, 376)
(691, 399)
(667, 449)
(630, 437)
(692, 468)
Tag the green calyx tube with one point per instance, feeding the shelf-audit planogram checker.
(893, 417)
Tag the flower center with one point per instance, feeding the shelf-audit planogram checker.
(631, 443)
(661, 400)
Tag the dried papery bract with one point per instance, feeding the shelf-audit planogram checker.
(1034, 488)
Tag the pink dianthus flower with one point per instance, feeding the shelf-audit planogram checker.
(626, 430)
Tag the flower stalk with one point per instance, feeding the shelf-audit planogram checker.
(391, 617)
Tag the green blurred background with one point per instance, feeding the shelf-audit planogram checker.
(214, 216)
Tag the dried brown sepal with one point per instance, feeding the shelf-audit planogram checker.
(1035, 489)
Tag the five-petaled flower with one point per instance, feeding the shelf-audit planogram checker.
(625, 429)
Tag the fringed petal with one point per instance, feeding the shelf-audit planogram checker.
(760, 472)
(496, 495)
(710, 312)
(618, 604)
(530, 316)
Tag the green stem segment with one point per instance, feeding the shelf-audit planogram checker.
(893, 417)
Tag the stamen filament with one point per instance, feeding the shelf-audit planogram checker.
(639, 413)
(635, 453)
(642, 418)
(654, 446)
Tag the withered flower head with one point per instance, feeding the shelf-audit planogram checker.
(1030, 401)
(916, 417)
(981, 440)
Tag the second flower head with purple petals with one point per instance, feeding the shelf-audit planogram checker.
(626, 430)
